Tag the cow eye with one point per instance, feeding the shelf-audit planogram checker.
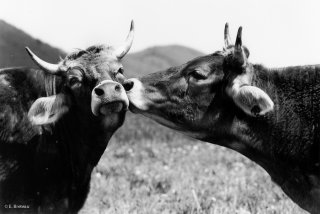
(74, 80)
(197, 75)
(75, 76)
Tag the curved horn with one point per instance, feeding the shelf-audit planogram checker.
(227, 40)
(239, 39)
(51, 68)
(123, 49)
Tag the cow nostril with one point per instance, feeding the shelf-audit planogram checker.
(128, 85)
(117, 87)
(98, 91)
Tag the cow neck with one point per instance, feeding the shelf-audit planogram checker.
(80, 148)
(86, 140)
(294, 125)
(292, 131)
(285, 141)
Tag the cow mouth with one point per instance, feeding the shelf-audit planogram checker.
(136, 106)
(112, 108)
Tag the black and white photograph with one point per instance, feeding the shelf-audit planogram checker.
(160, 107)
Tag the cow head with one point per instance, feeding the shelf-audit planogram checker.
(198, 96)
(89, 81)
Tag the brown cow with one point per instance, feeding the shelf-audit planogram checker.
(55, 124)
(269, 115)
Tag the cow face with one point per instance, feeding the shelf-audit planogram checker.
(194, 98)
(90, 83)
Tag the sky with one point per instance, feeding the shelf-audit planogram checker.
(277, 32)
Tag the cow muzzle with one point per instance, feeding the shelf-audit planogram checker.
(136, 95)
(108, 98)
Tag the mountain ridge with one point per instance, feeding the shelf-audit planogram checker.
(13, 42)
(12, 48)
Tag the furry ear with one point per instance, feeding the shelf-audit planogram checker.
(252, 100)
(47, 110)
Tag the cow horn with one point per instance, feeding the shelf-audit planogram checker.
(238, 50)
(239, 40)
(227, 40)
(123, 49)
(51, 68)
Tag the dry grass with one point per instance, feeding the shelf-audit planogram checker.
(166, 173)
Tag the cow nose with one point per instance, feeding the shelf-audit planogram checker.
(107, 88)
(128, 85)
(98, 91)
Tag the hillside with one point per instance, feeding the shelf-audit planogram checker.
(14, 40)
(157, 58)
(12, 47)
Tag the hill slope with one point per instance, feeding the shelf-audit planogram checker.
(13, 42)
(12, 47)
(157, 58)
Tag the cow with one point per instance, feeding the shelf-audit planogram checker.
(271, 116)
(55, 124)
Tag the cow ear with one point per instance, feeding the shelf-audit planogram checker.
(47, 110)
(252, 100)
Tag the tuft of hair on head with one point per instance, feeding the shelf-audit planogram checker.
(95, 48)
(76, 54)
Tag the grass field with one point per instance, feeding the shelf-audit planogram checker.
(149, 169)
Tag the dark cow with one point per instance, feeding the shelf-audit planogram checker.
(55, 125)
(272, 116)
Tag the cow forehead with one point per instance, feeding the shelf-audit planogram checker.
(205, 62)
(96, 61)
